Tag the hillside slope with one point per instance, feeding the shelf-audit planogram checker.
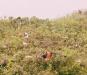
(22, 39)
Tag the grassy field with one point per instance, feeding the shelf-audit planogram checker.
(65, 37)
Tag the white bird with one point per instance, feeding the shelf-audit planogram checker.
(26, 35)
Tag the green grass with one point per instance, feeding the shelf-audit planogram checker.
(65, 37)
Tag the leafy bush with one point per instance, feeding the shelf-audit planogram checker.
(66, 38)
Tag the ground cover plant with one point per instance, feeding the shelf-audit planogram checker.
(24, 40)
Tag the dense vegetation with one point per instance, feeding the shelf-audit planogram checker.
(66, 37)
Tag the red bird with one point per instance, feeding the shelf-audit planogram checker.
(48, 55)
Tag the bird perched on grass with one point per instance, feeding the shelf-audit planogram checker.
(26, 35)
(47, 55)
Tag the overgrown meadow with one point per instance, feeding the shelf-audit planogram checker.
(66, 37)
